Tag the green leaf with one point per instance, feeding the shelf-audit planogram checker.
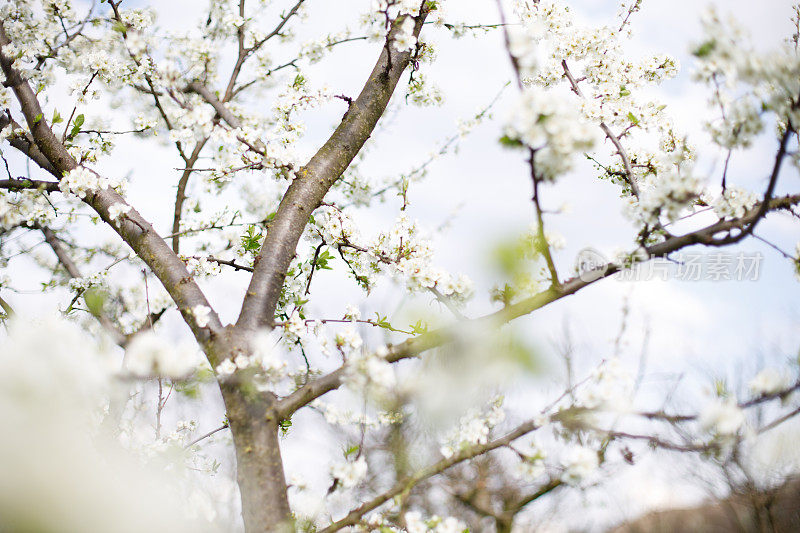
(419, 328)
(76, 126)
(350, 450)
(95, 299)
(190, 389)
(633, 118)
(623, 91)
(507, 141)
(37, 119)
(382, 322)
(322, 261)
(251, 240)
(56, 117)
(705, 49)
(720, 388)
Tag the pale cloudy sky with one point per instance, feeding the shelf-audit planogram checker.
(699, 328)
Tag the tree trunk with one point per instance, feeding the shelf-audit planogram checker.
(259, 466)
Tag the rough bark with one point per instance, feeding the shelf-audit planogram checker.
(259, 466)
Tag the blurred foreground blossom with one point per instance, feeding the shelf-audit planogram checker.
(54, 389)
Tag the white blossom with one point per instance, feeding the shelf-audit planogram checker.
(349, 339)
(81, 181)
(149, 354)
(578, 462)
(203, 267)
(550, 122)
(202, 315)
(734, 202)
(117, 210)
(226, 368)
(473, 429)
(404, 39)
(532, 466)
(769, 381)
(369, 369)
(352, 312)
(436, 524)
(295, 326)
(610, 387)
(350, 473)
(722, 417)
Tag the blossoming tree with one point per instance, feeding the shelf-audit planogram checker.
(81, 79)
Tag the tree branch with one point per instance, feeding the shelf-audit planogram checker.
(74, 273)
(773, 181)
(244, 53)
(205, 436)
(134, 229)
(8, 311)
(315, 179)
(21, 184)
(623, 154)
(434, 339)
(180, 195)
(406, 485)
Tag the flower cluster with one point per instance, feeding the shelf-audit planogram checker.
(473, 429)
(369, 369)
(580, 82)
(734, 202)
(668, 189)
(201, 314)
(610, 387)
(379, 19)
(404, 39)
(416, 524)
(348, 339)
(24, 206)
(202, 267)
(769, 381)
(746, 82)
(118, 210)
(81, 181)
(549, 122)
(532, 466)
(336, 226)
(338, 416)
(149, 355)
(350, 473)
(579, 462)
(410, 255)
(263, 364)
(722, 417)
(98, 279)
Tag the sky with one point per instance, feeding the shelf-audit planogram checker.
(482, 194)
